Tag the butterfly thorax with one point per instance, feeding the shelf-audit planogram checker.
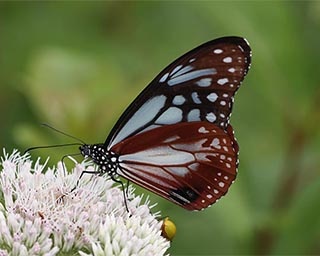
(104, 158)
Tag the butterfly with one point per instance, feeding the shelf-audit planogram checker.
(175, 139)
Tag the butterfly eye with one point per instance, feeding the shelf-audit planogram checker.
(85, 150)
(175, 139)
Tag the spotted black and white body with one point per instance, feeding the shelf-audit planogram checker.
(175, 138)
(105, 159)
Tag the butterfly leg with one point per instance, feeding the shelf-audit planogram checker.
(84, 172)
(60, 199)
(127, 188)
(123, 191)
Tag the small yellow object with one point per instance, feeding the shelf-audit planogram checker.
(168, 229)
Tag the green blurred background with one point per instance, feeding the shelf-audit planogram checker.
(77, 65)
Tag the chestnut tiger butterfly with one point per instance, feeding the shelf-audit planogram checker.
(175, 139)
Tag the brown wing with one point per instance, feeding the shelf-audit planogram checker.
(190, 164)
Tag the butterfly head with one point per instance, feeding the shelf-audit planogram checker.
(85, 150)
(95, 151)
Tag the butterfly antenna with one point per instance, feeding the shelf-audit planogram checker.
(65, 134)
(123, 191)
(52, 146)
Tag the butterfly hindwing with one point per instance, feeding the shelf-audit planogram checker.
(191, 164)
(199, 86)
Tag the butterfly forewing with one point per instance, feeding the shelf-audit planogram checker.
(199, 86)
(191, 164)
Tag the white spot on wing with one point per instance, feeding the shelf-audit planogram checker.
(212, 97)
(216, 144)
(191, 75)
(221, 184)
(171, 116)
(231, 70)
(175, 69)
(239, 46)
(223, 81)
(227, 60)
(211, 117)
(194, 115)
(203, 130)
(178, 100)
(182, 71)
(195, 98)
(164, 78)
(217, 51)
(204, 82)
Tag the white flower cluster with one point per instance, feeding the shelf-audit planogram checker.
(41, 215)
